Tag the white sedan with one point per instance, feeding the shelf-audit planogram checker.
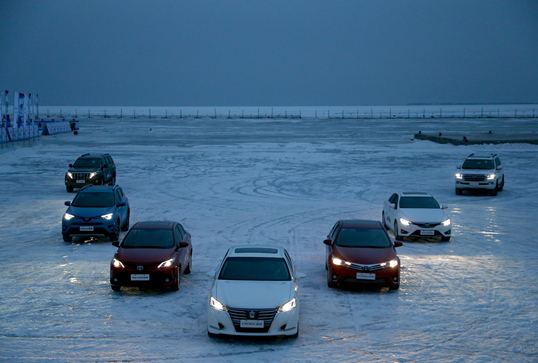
(416, 214)
(254, 293)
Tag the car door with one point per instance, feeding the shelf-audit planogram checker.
(122, 211)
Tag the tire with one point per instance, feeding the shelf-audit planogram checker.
(212, 335)
(69, 189)
(189, 266)
(115, 287)
(125, 226)
(116, 235)
(494, 191)
(445, 239)
(113, 180)
(397, 236)
(458, 191)
(384, 221)
(329, 283)
(500, 189)
(175, 287)
(296, 335)
(394, 287)
(66, 238)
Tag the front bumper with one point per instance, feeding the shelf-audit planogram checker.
(220, 322)
(420, 230)
(101, 228)
(157, 277)
(342, 275)
(482, 185)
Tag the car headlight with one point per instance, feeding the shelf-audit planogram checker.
(69, 175)
(339, 262)
(68, 216)
(117, 263)
(108, 216)
(392, 263)
(167, 263)
(405, 222)
(217, 305)
(491, 176)
(446, 222)
(459, 176)
(290, 305)
(93, 174)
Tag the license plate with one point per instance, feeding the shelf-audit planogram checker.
(86, 228)
(252, 324)
(427, 233)
(473, 183)
(363, 276)
(81, 181)
(139, 277)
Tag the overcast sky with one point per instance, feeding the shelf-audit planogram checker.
(270, 53)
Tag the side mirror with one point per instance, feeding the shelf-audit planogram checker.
(122, 204)
(328, 242)
(183, 244)
(458, 167)
(70, 165)
(116, 243)
(444, 207)
(300, 276)
(392, 205)
(500, 168)
(398, 244)
(211, 273)
(68, 203)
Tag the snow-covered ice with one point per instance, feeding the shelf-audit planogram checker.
(281, 182)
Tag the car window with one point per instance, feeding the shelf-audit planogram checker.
(363, 237)
(120, 191)
(335, 227)
(255, 269)
(289, 259)
(393, 198)
(396, 197)
(118, 196)
(87, 163)
(149, 238)
(419, 202)
(498, 161)
(93, 200)
(179, 234)
(478, 164)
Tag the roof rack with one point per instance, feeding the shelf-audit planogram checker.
(470, 155)
(86, 154)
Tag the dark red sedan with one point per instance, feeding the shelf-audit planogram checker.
(152, 254)
(360, 252)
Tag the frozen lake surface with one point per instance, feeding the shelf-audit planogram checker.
(281, 182)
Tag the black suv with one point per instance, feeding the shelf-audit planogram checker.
(95, 169)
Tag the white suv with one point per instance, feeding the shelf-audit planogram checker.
(481, 172)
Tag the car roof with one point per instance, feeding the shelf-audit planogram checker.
(91, 156)
(154, 225)
(98, 188)
(361, 223)
(255, 251)
(473, 156)
(415, 194)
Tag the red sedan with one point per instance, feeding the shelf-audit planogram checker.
(360, 252)
(152, 254)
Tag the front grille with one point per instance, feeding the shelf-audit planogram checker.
(474, 177)
(359, 267)
(426, 225)
(267, 315)
(81, 176)
(155, 278)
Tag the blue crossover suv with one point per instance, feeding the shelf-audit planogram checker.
(96, 211)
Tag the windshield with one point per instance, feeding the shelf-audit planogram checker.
(87, 163)
(419, 202)
(93, 200)
(478, 164)
(363, 237)
(255, 269)
(149, 238)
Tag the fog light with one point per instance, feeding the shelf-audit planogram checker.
(115, 280)
(221, 326)
(335, 277)
(283, 327)
(167, 280)
(395, 278)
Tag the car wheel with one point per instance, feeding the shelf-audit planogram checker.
(189, 266)
(113, 180)
(329, 282)
(115, 287)
(66, 238)
(394, 287)
(296, 335)
(458, 191)
(445, 239)
(384, 220)
(494, 191)
(125, 227)
(116, 235)
(69, 189)
(501, 187)
(175, 287)
(212, 335)
(397, 236)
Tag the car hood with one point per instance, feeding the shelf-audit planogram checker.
(83, 170)
(253, 294)
(144, 255)
(424, 215)
(90, 211)
(477, 171)
(364, 255)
